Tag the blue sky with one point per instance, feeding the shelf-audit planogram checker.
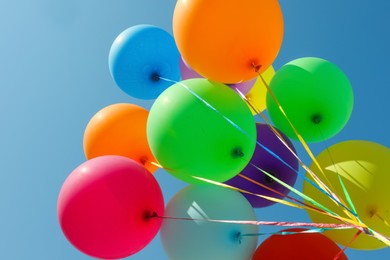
(54, 77)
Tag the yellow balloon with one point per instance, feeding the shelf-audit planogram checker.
(256, 96)
(364, 168)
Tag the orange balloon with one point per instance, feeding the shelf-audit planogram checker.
(119, 129)
(223, 40)
(298, 246)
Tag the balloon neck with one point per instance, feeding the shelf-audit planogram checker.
(316, 119)
(148, 215)
(372, 212)
(237, 153)
(237, 237)
(155, 77)
(256, 67)
(143, 160)
(268, 179)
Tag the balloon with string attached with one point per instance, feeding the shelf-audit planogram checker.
(294, 243)
(197, 238)
(104, 207)
(363, 168)
(274, 155)
(316, 97)
(119, 129)
(228, 40)
(139, 56)
(201, 128)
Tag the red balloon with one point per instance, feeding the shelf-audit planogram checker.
(104, 204)
(302, 246)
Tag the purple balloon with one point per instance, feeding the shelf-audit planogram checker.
(188, 73)
(264, 160)
(243, 87)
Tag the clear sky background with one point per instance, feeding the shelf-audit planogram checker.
(54, 77)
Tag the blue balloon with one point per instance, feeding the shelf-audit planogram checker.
(197, 239)
(139, 56)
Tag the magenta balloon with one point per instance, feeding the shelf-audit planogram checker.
(188, 73)
(265, 160)
(103, 207)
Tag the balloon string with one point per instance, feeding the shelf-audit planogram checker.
(378, 236)
(285, 233)
(251, 193)
(305, 206)
(297, 192)
(344, 188)
(294, 205)
(333, 196)
(157, 165)
(296, 156)
(318, 226)
(273, 190)
(260, 223)
(348, 245)
(364, 230)
(330, 156)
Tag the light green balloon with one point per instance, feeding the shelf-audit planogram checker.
(316, 96)
(191, 138)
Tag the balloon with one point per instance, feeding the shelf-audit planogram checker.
(225, 40)
(304, 246)
(256, 96)
(119, 129)
(263, 159)
(316, 97)
(139, 56)
(189, 138)
(188, 73)
(197, 239)
(103, 207)
(363, 167)
(243, 87)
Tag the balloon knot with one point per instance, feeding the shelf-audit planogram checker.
(149, 215)
(368, 231)
(256, 67)
(143, 160)
(155, 77)
(268, 179)
(372, 212)
(238, 237)
(316, 119)
(237, 153)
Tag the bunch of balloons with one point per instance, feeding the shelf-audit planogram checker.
(209, 80)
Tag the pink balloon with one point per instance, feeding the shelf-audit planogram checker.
(103, 207)
(188, 73)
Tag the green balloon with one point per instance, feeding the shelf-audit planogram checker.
(189, 131)
(316, 96)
